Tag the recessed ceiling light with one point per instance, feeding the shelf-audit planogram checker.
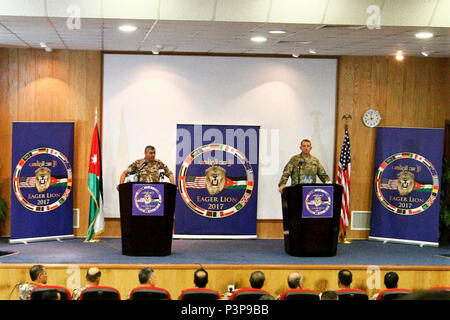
(296, 55)
(399, 56)
(43, 44)
(127, 28)
(312, 51)
(277, 31)
(48, 49)
(259, 39)
(425, 53)
(424, 35)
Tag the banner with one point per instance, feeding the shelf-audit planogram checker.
(405, 204)
(217, 177)
(41, 197)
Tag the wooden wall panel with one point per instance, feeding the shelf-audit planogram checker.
(411, 93)
(58, 86)
(66, 86)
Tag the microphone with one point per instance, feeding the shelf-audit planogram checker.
(138, 172)
(161, 174)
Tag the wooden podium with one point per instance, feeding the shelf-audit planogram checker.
(146, 218)
(311, 214)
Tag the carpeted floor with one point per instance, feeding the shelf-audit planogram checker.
(261, 251)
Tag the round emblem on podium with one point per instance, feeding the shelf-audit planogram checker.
(318, 202)
(42, 180)
(219, 185)
(147, 199)
(406, 183)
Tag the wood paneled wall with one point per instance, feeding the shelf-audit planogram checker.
(410, 93)
(66, 86)
(58, 86)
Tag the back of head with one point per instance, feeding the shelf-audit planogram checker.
(257, 279)
(345, 277)
(200, 278)
(391, 280)
(93, 275)
(329, 295)
(294, 280)
(35, 271)
(145, 275)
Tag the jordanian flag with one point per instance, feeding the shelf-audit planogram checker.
(96, 218)
(392, 184)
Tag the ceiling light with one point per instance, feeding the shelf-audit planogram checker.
(259, 39)
(277, 31)
(43, 44)
(48, 49)
(127, 28)
(425, 53)
(424, 35)
(399, 56)
(296, 55)
(312, 51)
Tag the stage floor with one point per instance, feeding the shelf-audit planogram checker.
(226, 252)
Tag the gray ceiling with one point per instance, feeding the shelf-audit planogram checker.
(329, 27)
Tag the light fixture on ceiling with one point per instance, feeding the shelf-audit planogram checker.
(399, 56)
(312, 51)
(296, 55)
(424, 35)
(43, 44)
(158, 48)
(48, 49)
(425, 53)
(277, 31)
(259, 39)
(127, 28)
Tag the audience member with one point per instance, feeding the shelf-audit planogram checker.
(390, 282)
(427, 295)
(329, 295)
(92, 280)
(345, 279)
(38, 276)
(51, 295)
(147, 277)
(200, 278)
(295, 280)
(257, 279)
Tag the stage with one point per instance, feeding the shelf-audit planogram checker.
(228, 262)
(226, 252)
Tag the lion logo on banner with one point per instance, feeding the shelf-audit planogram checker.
(215, 179)
(405, 183)
(43, 179)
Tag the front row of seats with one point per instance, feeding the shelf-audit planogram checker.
(154, 293)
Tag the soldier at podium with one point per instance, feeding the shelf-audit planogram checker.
(303, 168)
(148, 169)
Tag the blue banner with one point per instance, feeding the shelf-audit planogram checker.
(408, 166)
(42, 180)
(217, 177)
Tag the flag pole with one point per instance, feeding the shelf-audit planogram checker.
(343, 233)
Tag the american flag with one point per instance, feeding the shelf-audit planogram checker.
(196, 182)
(343, 178)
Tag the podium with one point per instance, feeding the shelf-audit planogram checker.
(146, 218)
(311, 214)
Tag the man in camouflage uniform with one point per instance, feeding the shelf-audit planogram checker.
(303, 168)
(148, 169)
(38, 276)
(92, 280)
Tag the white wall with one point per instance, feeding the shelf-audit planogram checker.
(146, 96)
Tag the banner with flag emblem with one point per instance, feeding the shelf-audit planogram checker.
(42, 177)
(217, 178)
(96, 218)
(343, 178)
(405, 201)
